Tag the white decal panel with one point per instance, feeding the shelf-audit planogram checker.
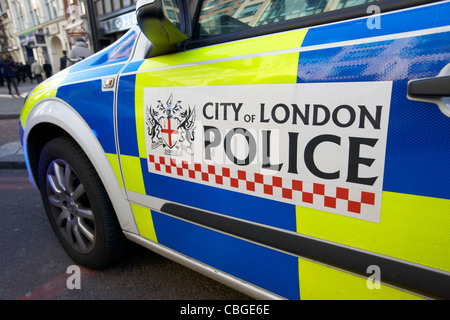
(320, 146)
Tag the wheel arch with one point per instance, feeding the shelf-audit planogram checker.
(52, 118)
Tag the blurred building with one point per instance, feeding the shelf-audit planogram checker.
(77, 23)
(113, 18)
(4, 45)
(35, 30)
(41, 29)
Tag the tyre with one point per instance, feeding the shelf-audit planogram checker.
(77, 205)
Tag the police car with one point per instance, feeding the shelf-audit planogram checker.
(290, 149)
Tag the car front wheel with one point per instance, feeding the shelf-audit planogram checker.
(77, 205)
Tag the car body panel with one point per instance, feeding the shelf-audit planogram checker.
(317, 237)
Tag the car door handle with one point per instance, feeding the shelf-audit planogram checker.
(435, 90)
(429, 88)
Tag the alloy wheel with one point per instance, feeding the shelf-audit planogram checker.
(70, 206)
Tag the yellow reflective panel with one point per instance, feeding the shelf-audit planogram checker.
(34, 98)
(412, 228)
(144, 222)
(319, 282)
(47, 89)
(256, 70)
(132, 173)
(282, 41)
(114, 162)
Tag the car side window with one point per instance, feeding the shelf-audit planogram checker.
(221, 17)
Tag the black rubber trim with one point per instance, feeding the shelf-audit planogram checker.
(402, 274)
(431, 88)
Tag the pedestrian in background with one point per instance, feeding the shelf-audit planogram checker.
(21, 75)
(9, 71)
(48, 69)
(37, 70)
(28, 74)
(79, 51)
(63, 61)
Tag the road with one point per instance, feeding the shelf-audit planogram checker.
(34, 266)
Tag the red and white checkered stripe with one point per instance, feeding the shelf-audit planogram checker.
(289, 190)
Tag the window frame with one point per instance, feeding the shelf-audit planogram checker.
(253, 12)
(297, 23)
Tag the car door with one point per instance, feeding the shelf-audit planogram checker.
(282, 147)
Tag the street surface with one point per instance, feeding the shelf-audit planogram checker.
(33, 265)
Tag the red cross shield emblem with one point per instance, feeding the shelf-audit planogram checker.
(169, 131)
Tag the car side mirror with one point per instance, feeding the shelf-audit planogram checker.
(165, 24)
